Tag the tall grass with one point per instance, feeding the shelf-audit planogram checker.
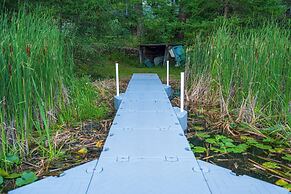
(84, 103)
(250, 70)
(34, 65)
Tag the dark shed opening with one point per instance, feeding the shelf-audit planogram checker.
(154, 53)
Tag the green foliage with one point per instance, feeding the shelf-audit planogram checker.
(249, 68)
(224, 144)
(262, 146)
(271, 165)
(35, 67)
(238, 149)
(198, 128)
(287, 157)
(284, 184)
(36, 91)
(6, 175)
(83, 102)
(3, 173)
(12, 159)
(1, 180)
(13, 176)
(164, 21)
(252, 142)
(100, 67)
(198, 149)
(202, 135)
(277, 150)
(155, 20)
(26, 178)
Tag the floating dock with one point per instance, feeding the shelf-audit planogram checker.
(146, 152)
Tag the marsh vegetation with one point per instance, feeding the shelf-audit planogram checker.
(57, 69)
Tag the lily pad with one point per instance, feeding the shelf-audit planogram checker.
(287, 157)
(263, 146)
(198, 149)
(13, 159)
(211, 141)
(218, 150)
(271, 165)
(226, 140)
(228, 144)
(220, 137)
(249, 140)
(198, 128)
(202, 135)
(284, 184)
(26, 178)
(288, 187)
(277, 150)
(238, 149)
(281, 182)
(1, 180)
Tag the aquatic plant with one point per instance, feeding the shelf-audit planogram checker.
(34, 66)
(247, 73)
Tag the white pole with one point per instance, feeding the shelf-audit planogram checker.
(182, 92)
(117, 80)
(168, 73)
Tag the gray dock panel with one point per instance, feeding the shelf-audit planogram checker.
(73, 181)
(148, 176)
(147, 144)
(223, 181)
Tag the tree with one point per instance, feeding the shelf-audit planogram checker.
(156, 20)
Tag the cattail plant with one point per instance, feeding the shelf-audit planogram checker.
(250, 69)
(34, 66)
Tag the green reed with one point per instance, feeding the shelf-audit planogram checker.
(34, 65)
(251, 68)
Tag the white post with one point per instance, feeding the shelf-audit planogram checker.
(117, 80)
(168, 73)
(182, 92)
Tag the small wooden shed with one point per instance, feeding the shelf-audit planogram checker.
(151, 51)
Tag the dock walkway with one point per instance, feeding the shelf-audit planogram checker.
(146, 152)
